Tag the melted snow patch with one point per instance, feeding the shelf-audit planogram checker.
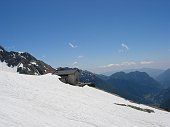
(21, 65)
(23, 57)
(29, 69)
(14, 56)
(34, 63)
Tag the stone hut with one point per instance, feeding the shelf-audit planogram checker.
(70, 76)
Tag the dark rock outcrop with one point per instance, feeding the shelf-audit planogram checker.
(25, 62)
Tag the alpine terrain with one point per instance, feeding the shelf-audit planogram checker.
(23, 63)
(43, 100)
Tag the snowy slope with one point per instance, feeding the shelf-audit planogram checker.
(43, 101)
(4, 67)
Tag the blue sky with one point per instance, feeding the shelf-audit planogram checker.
(97, 35)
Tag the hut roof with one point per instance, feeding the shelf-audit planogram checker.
(65, 72)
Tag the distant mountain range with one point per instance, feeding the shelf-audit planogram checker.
(25, 62)
(152, 72)
(136, 86)
(164, 78)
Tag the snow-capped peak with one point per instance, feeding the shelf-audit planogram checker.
(25, 62)
(20, 52)
(1, 50)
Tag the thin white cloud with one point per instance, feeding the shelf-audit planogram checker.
(127, 63)
(72, 46)
(146, 62)
(75, 63)
(124, 46)
(109, 65)
(44, 56)
(120, 50)
(80, 57)
(130, 63)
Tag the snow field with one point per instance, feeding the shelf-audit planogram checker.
(44, 101)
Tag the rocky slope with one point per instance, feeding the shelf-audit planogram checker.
(25, 62)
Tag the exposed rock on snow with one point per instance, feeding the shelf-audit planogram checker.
(30, 65)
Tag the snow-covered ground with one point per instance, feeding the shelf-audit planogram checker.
(4, 67)
(44, 101)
